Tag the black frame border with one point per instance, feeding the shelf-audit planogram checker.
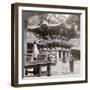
(14, 43)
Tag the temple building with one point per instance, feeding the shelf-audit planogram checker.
(53, 49)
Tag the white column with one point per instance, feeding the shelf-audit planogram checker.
(66, 54)
(61, 54)
(69, 54)
(57, 55)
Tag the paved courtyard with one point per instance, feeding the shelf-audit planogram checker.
(64, 69)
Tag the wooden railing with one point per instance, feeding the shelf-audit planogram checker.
(41, 59)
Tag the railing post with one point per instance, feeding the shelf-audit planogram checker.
(48, 69)
(39, 70)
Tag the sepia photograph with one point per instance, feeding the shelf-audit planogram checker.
(49, 44)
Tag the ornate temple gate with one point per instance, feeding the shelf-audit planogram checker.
(48, 56)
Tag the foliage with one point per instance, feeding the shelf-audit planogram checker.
(60, 31)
